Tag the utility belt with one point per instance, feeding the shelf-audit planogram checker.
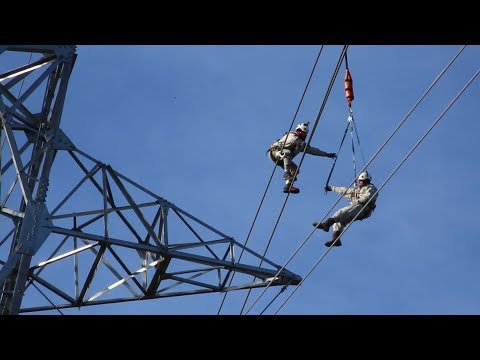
(276, 154)
(274, 148)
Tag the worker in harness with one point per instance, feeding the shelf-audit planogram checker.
(358, 197)
(282, 152)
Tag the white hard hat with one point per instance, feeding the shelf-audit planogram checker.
(303, 127)
(364, 175)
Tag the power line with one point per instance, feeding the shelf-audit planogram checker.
(387, 180)
(368, 163)
(273, 172)
(325, 98)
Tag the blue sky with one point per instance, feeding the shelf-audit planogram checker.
(192, 124)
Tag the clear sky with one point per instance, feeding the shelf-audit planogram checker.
(193, 123)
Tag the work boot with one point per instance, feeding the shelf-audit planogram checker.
(291, 189)
(324, 226)
(335, 235)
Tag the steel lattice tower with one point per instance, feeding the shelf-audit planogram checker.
(98, 237)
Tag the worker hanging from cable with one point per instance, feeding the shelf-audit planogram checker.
(358, 197)
(283, 150)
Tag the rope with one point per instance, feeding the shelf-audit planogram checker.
(332, 81)
(351, 123)
(271, 176)
(358, 139)
(373, 157)
(353, 129)
(386, 181)
(350, 120)
(338, 152)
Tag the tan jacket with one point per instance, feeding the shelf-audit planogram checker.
(296, 146)
(358, 196)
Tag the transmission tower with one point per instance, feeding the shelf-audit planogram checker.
(99, 237)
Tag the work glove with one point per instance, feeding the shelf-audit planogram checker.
(328, 188)
(332, 155)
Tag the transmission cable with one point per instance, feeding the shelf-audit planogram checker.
(373, 157)
(271, 176)
(384, 183)
(332, 81)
